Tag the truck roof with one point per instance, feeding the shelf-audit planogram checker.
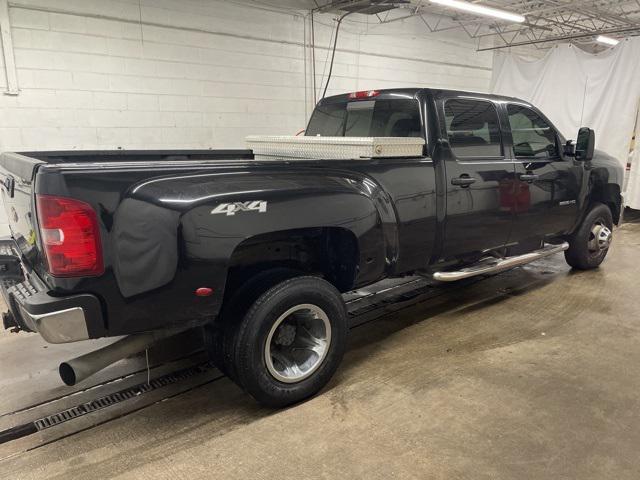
(412, 92)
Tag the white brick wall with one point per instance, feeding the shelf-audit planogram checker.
(199, 73)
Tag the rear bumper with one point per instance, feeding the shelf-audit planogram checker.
(57, 319)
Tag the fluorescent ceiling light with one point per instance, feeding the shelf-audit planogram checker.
(607, 40)
(481, 10)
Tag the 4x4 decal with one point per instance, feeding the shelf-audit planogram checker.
(228, 209)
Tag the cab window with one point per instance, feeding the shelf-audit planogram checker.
(473, 128)
(533, 137)
(369, 118)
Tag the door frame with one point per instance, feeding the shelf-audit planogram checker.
(560, 141)
(446, 152)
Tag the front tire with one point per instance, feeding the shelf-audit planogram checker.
(290, 341)
(589, 245)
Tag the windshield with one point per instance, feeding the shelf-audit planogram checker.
(370, 118)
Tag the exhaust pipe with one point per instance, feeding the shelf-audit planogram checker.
(80, 368)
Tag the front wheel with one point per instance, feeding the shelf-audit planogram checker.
(589, 245)
(290, 341)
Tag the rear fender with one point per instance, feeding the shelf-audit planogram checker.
(187, 227)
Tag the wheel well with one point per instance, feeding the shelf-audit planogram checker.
(330, 252)
(609, 194)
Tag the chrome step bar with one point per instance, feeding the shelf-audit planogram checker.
(494, 265)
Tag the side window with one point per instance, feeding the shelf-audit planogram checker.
(473, 128)
(532, 135)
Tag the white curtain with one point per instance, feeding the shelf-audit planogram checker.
(575, 88)
(632, 195)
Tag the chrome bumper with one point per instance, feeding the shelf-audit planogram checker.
(61, 319)
(56, 319)
(62, 326)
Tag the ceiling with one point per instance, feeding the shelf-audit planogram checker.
(547, 21)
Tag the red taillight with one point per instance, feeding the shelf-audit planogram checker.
(364, 94)
(70, 236)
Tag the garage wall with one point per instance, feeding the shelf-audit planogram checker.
(200, 74)
(158, 74)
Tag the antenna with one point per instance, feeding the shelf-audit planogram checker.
(584, 99)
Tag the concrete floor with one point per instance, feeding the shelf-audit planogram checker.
(534, 373)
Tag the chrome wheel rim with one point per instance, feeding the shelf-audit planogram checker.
(298, 343)
(599, 238)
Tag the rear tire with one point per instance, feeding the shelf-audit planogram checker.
(289, 342)
(219, 337)
(589, 244)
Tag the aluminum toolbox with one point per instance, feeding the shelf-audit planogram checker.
(328, 148)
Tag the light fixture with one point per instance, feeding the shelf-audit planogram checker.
(607, 40)
(481, 10)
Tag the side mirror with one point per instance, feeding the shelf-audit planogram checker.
(585, 144)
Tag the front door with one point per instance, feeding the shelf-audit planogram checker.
(479, 177)
(547, 185)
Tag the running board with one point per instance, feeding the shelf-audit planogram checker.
(494, 265)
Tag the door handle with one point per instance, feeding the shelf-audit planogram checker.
(528, 177)
(463, 181)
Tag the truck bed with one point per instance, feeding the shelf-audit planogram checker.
(170, 222)
(84, 156)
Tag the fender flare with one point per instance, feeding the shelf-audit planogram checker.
(218, 211)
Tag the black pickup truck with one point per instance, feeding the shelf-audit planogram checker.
(257, 253)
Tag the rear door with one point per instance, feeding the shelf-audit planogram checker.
(547, 185)
(479, 176)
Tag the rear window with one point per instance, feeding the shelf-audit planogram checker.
(369, 118)
(473, 128)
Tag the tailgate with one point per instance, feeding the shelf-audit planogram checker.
(17, 175)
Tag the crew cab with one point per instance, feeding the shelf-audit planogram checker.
(257, 251)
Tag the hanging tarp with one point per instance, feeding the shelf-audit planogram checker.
(632, 196)
(575, 88)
